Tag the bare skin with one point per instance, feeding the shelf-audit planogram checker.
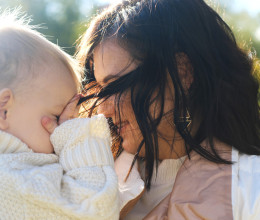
(109, 60)
(69, 112)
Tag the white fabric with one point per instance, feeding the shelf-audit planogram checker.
(245, 186)
(78, 182)
(134, 185)
(161, 186)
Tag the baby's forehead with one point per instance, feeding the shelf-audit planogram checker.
(44, 64)
(45, 79)
(52, 85)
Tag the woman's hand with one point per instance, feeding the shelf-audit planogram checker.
(69, 112)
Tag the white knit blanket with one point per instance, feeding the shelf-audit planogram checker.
(78, 182)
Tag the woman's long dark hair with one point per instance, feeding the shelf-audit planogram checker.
(222, 99)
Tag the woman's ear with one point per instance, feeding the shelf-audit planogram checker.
(185, 70)
(6, 101)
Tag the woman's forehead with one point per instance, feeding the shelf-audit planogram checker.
(111, 61)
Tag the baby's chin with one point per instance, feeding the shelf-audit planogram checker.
(42, 150)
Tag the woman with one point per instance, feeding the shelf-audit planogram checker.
(183, 97)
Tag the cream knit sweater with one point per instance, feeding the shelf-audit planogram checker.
(78, 182)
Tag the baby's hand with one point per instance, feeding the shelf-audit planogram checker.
(69, 112)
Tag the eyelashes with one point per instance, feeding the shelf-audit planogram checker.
(57, 117)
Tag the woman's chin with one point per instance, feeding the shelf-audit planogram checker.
(128, 148)
(132, 148)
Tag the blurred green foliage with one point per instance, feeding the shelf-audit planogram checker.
(65, 20)
(60, 20)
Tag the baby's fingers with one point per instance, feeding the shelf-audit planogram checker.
(49, 124)
(71, 110)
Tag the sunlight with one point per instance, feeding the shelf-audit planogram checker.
(252, 6)
(257, 34)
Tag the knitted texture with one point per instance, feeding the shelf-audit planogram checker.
(79, 182)
(73, 151)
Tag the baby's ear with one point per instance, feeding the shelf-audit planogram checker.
(6, 100)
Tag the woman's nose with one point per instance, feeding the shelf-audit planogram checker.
(107, 107)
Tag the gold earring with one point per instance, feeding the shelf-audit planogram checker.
(184, 122)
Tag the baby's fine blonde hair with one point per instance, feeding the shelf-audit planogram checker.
(23, 50)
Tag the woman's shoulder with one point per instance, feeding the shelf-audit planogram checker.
(216, 191)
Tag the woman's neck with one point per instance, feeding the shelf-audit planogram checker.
(176, 151)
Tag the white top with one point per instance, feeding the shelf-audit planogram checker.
(245, 186)
(161, 186)
(78, 182)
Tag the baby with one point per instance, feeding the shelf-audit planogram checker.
(68, 174)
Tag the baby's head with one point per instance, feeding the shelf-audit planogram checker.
(36, 79)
